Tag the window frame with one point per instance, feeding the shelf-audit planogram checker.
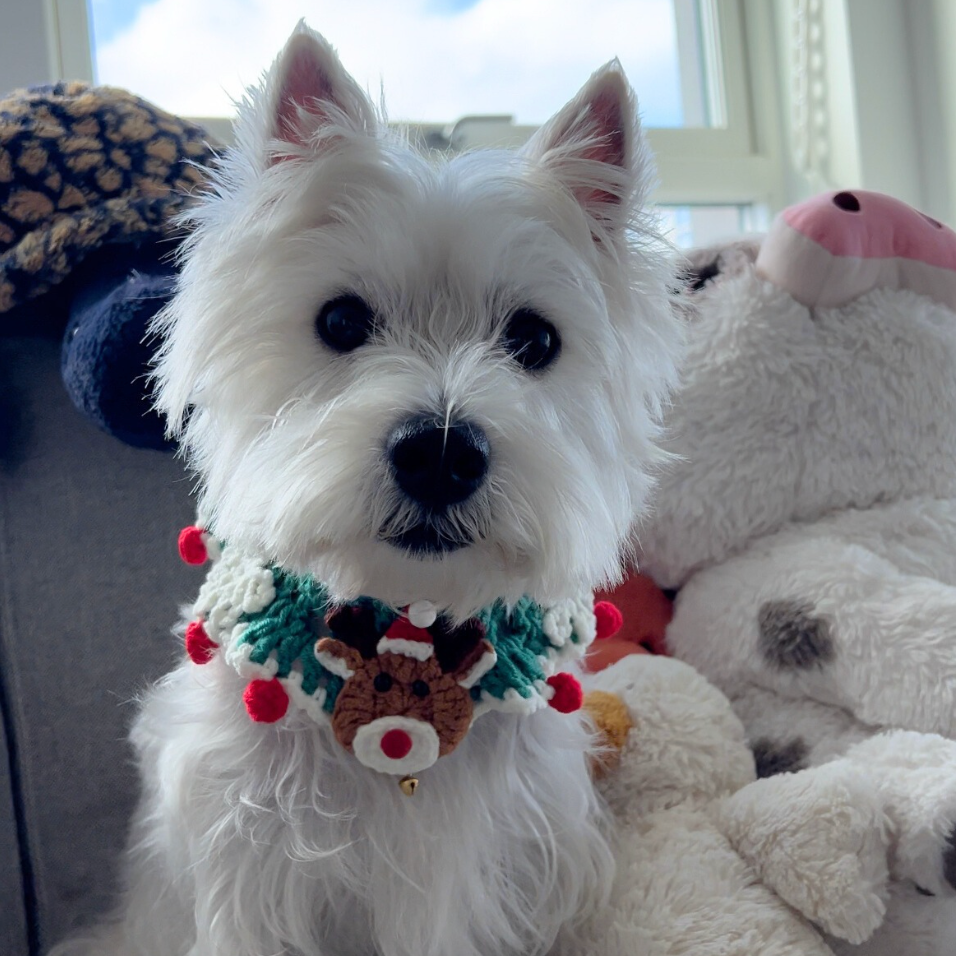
(67, 23)
(738, 163)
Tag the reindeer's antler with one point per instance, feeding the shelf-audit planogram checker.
(463, 651)
(355, 625)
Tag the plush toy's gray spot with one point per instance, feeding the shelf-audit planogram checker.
(792, 636)
(773, 757)
(949, 859)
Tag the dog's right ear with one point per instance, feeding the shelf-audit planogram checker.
(594, 146)
(309, 93)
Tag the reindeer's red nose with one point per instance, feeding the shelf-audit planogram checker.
(396, 744)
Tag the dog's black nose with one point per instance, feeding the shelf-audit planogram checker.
(435, 465)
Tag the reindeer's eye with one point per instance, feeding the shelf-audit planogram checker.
(420, 688)
(382, 682)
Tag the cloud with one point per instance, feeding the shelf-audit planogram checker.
(436, 61)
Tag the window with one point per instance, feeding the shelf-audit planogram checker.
(702, 225)
(438, 60)
(470, 72)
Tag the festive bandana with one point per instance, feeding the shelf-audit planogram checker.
(399, 687)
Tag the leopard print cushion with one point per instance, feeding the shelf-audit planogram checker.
(81, 167)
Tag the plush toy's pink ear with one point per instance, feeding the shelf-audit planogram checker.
(593, 145)
(310, 90)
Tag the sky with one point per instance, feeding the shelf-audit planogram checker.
(437, 60)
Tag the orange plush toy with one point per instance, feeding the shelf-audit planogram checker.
(646, 611)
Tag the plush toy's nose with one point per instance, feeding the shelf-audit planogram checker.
(438, 465)
(396, 744)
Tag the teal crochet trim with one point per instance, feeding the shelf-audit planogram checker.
(285, 631)
(520, 642)
(284, 628)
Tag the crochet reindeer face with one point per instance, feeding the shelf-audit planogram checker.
(408, 703)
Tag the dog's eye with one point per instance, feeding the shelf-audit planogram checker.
(382, 682)
(532, 341)
(420, 688)
(345, 323)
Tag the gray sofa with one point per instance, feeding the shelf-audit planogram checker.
(91, 585)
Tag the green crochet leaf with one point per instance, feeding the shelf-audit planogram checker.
(520, 643)
(285, 630)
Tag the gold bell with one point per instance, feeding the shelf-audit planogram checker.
(409, 785)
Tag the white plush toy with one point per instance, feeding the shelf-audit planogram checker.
(809, 516)
(712, 861)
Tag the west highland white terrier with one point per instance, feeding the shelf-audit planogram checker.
(422, 399)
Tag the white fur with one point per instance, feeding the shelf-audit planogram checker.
(817, 465)
(288, 438)
(256, 840)
(789, 414)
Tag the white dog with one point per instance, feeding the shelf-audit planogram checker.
(437, 385)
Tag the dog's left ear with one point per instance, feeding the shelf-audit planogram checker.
(594, 146)
(309, 91)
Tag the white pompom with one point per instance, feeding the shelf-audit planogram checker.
(422, 613)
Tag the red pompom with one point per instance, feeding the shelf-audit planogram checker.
(192, 548)
(266, 700)
(568, 693)
(199, 646)
(609, 619)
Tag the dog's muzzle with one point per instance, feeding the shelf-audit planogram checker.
(437, 466)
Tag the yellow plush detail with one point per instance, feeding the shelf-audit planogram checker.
(613, 721)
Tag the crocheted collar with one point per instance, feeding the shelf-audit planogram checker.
(399, 687)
